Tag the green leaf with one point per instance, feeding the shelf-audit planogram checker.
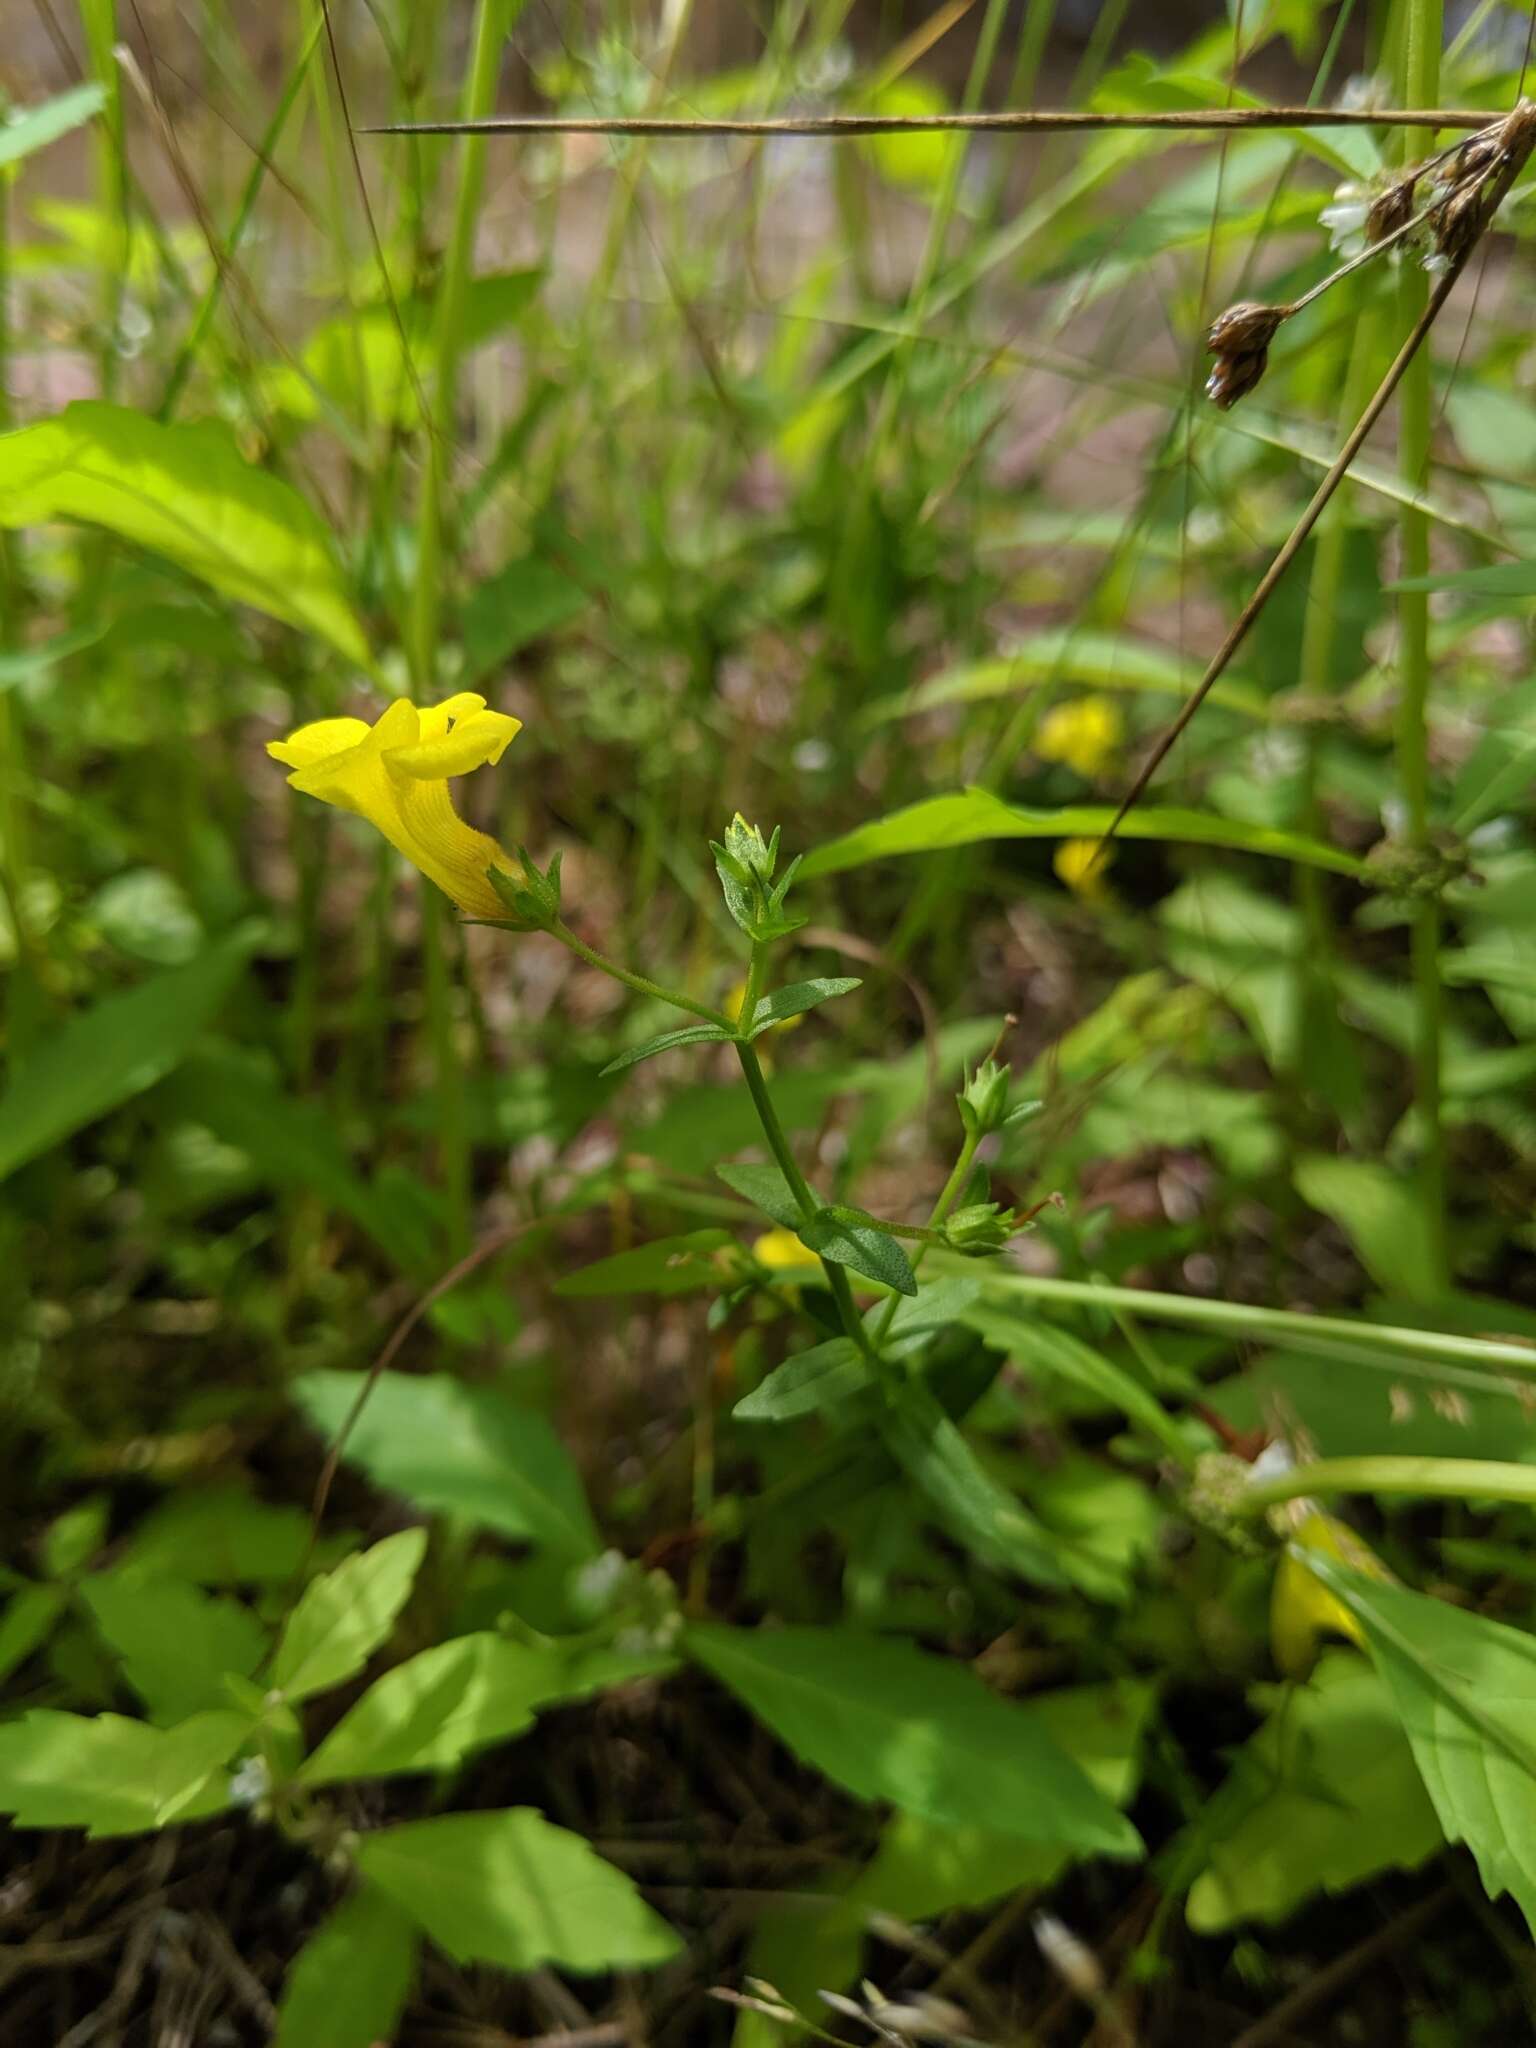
(219, 1536)
(667, 1041)
(431, 1711)
(766, 1189)
(459, 1450)
(27, 1621)
(1050, 1353)
(969, 815)
(113, 1051)
(796, 999)
(349, 1983)
(1501, 579)
(26, 129)
(667, 1265)
(176, 1643)
(512, 1889)
(889, 1722)
(808, 1383)
(522, 602)
(1382, 1214)
(344, 1615)
(1465, 1691)
(1324, 1796)
(185, 492)
(111, 1776)
(915, 1320)
(73, 1538)
(294, 1144)
(978, 1512)
(841, 1236)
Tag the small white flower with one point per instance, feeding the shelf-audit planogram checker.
(251, 1783)
(1345, 219)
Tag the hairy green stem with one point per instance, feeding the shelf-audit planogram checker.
(1419, 82)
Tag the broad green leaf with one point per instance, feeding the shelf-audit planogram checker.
(73, 1538)
(969, 815)
(186, 492)
(111, 1776)
(458, 1450)
(344, 1615)
(219, 1536)
(843, 1236)
(177, 1644)
(667, 1041)
(766, 1189)
(923, 1868)
(349, 1983)
(435, 1708)
(522, 602)
(975, 1509)
(511, 1888)
(667, 1265)
(26, 129)
(1324, 1796)
(27, 1621)
(115, 1050)
(1382, 1214)
(889, 1722)
(808, 1383)
(796, 999)
(294, 1144)
(1465, 1690)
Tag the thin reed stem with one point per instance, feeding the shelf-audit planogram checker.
(1419, 73)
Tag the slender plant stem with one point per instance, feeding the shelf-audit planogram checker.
(949, 1194)
(1243, 1320)
(1419, 74)
(452, 1127)
(1417, 1478)
(805, 1201)
(1023, 121)
(638, 982)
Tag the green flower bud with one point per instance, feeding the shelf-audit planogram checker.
(983, 1101)
(980, 1227)
(532, 899)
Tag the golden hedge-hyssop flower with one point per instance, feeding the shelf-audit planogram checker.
(395, 774)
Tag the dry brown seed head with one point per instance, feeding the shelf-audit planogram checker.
(1393, 210)
(1245, 328)
(1234, 376)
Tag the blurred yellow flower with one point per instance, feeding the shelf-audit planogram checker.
(395, 774)
(1081, 864)
(1302, 1610)
(1085, 734)
(780, 1251)
(737, 995)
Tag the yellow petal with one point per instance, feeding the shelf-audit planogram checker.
(318, 741)
(781, 1250)
(448, 852)
(436, 718)
(1302, 1610)
(481, 738)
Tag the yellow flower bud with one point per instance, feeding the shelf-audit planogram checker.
(1085, 734)
(1081, 864)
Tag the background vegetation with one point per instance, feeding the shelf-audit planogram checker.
(816, 480)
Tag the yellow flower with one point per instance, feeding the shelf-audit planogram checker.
(1302, 1610)
(1081, 863)
(395, 774)
(781, 1251)
(1085, 734)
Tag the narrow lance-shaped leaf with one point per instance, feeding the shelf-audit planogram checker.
(807, 1384)
(795, 1000)
(667, 1265)
(113, 1051)
(849, 1238)
(766, 1188)
(32, 128)
(667, 1041)
(969, 815)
